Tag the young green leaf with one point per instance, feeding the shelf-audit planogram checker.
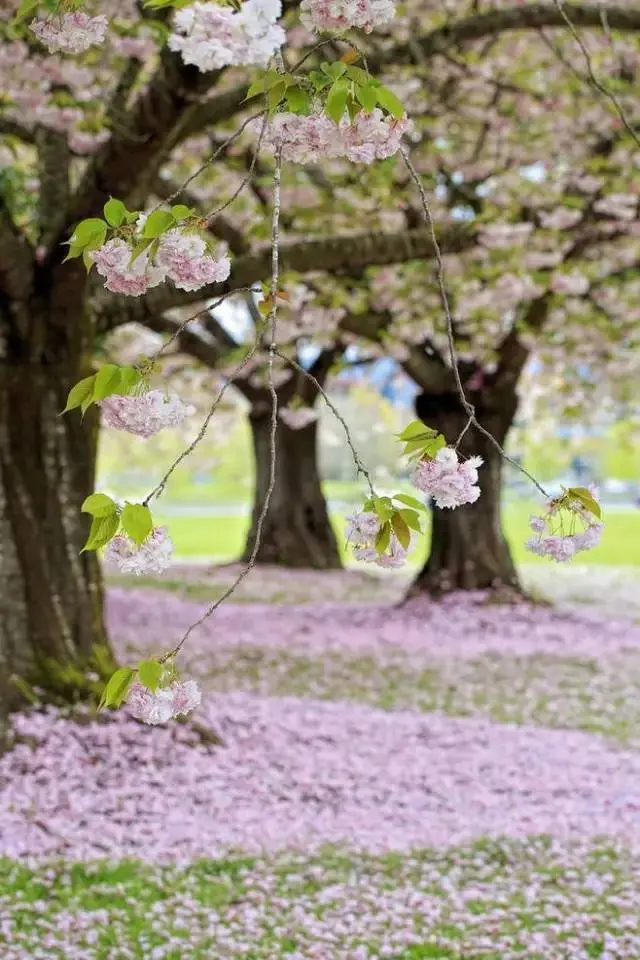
(158, 223)
(181, 212)
(334, 70)
(383, 537)
(298, 100)
(368, 97)
(103, 529)
(411, 502)
(401, 530)
(130, 378)
(383, 507)
(587, 500)
(337, 100)
(390, 102)
(361, 77)
(107, 382)
(115, 212)
(87, 231)
(99, 505)
(79, 393)
(149, 674)
(117, 688)
(411, 519)
(319, 80)
(416, 429)
(137, 521)
(275, 95)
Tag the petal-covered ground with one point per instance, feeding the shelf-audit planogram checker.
(446, 781)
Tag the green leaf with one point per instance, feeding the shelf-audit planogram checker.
(416, 429)
(117, 688)
(182, 212)
(401, 530)
(99, 505)
(337, 100)
(149, 674)
(319, 80)
(26, 9)
(88, 231)
(107, 381)
(383, 537)
(158, 223)
(361, 77)
(368, 97)
(383, 507)
(79, 393)
(587, 499)
(411, 502)
(298, 100)
(390, 102)
(137, 521)
(130, 377)
(334, 70)
(115, 212)
(275, 95)
(102, 530)
(411, 519)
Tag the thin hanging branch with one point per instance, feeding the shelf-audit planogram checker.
(467, 407)
(273, 351)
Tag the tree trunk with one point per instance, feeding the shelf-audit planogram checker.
(51, 624)
(468, 548)
(296, 531)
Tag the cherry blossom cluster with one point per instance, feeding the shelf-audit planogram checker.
(176, 700)
(362, 530)
(151, 556)
(71, 33)
(181, 257)
(210, 36)
(448, 481)
(557, 533)
(144, 414)
(309, 139)
(342, 14)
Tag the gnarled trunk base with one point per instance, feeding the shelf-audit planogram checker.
(297, 531)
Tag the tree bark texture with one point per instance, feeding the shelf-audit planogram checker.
(51, 618)
(297, 531)
(468, 548)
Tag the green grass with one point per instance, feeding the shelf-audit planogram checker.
(471, 902)
(223, 536)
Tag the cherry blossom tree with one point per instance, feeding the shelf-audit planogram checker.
(97, 109)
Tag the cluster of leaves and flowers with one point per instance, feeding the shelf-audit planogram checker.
(381, 532)
(154, 691)
(135, 251)
(570, 524)
(339, 110)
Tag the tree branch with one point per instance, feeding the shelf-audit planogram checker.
(220, 226)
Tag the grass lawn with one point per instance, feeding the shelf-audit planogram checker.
(221, 537)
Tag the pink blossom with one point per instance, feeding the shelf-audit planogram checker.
(340, 15)
(123, 274)
(308, 139)
(211, 37)
(72, 33)
(361, 533)
(563, 541)
(151, 556)
(178, 699)
(450, 483)
(144, 414)
(183, 255)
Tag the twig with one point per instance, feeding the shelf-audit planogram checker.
(174, 336)
(273, 317)
(591, 74)
(467, 407)
(157, 491)
(214, 156)
(256, 153)
(360, 467)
